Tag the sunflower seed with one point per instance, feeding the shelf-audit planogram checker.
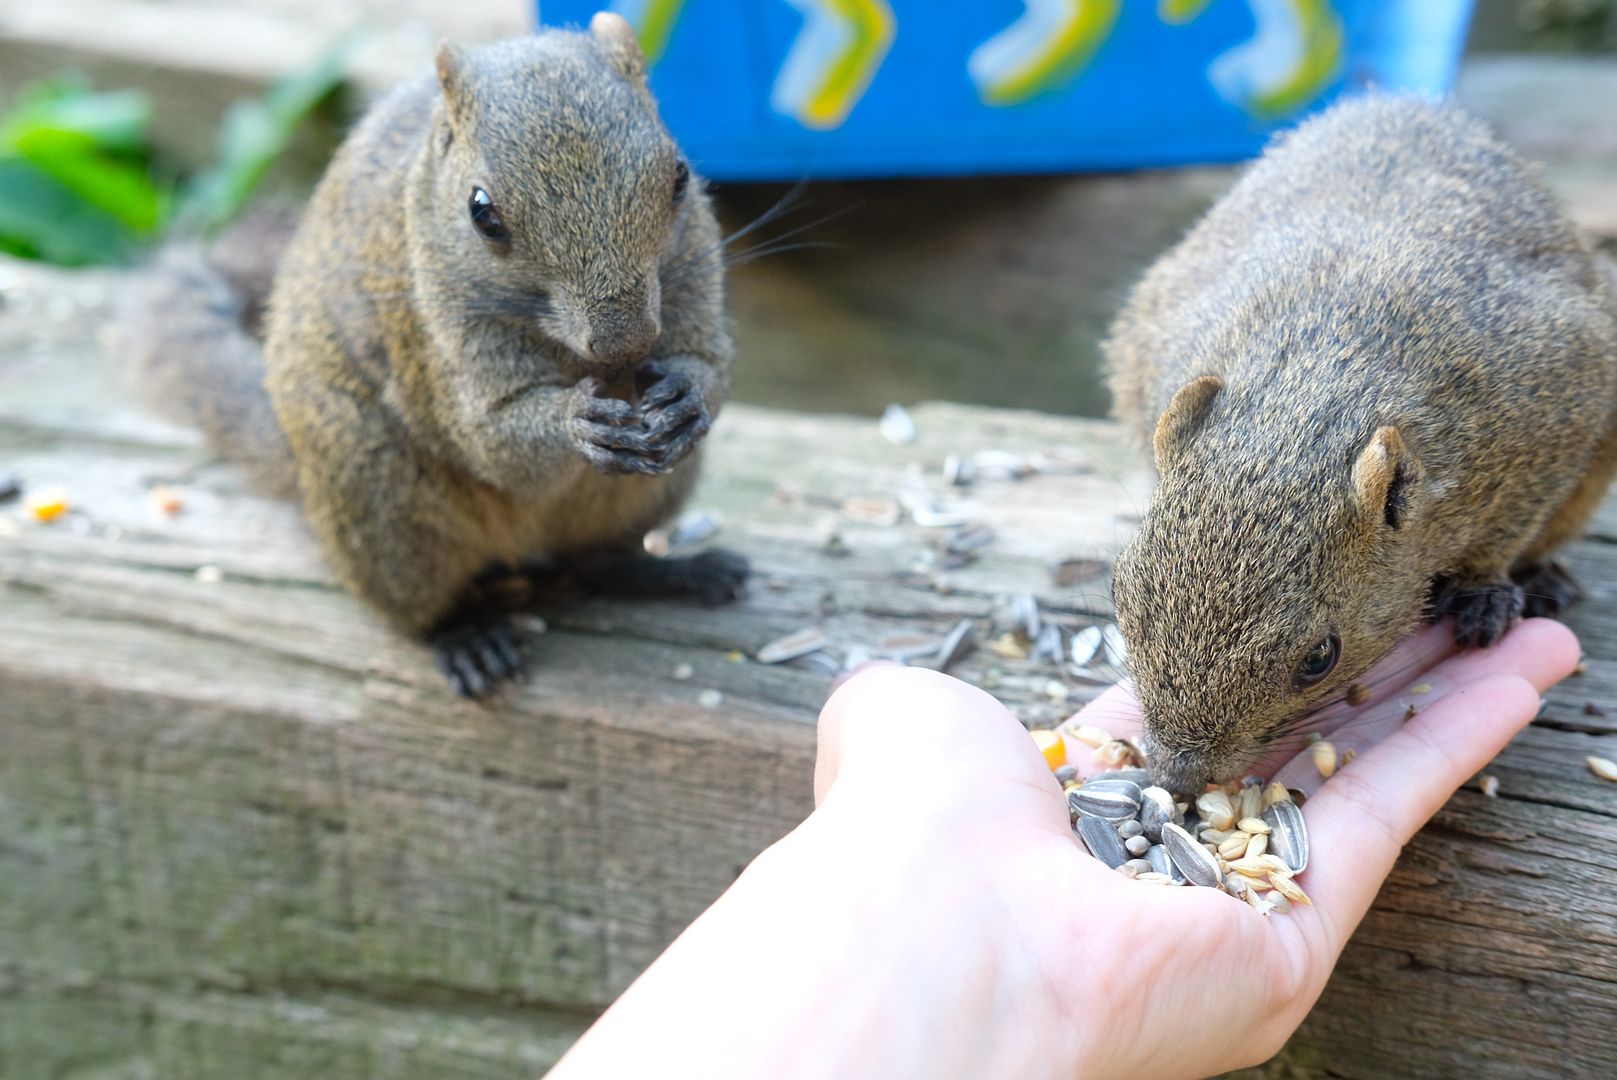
(1101, 838)
(967, 540)
(1137, 846)
(1141, 777)
(1194, 861)
(958, 471)
(1085, 644)
(1109, 782)
(1157, 856)
(1047, 646)
(1066, 774)
(1000, 464)
(958, 645)
(799, 643)
(1157, 808)
(1288, 836)
(1139, 866)
(1130, 829)
(1108, 805)
(1025, 615)
(896, 426)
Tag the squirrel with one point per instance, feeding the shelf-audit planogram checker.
(491, 348)
(1379, 381)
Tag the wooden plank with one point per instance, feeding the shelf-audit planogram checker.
(240, 813)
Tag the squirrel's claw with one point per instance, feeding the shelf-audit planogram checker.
(1482, 610)
(1548, 588)
(477, 650)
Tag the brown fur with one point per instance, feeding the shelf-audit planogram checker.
(1418, 355)
(432, 387)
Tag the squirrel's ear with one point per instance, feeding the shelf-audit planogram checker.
(1382, 478)
(616, 38)
(1183, 416)
(451, 63)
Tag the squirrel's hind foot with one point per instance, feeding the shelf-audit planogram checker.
(1548, 588)
(1482, 610)
(715, 576)
(476, 649)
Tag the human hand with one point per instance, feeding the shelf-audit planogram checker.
(1106, 976)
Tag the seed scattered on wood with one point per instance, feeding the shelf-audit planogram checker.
(166, 500)
(867, 510)
(958, 471)
(1324, 755)
(710, 699)
(1025, 615)
(1085, 644)
(968, 540)
(1605, 768)
(1047, 646)
(47, 505)
(1009, 646)
(1581, 668)
(958, 645)
(905, 645)
(1490, 786)
(1056, 690)
(683, 672)
(1591, 709)
(1070, 572)
(896, 425)
(1000, 464)
(209, 575)
(10, 486)
(798, 643)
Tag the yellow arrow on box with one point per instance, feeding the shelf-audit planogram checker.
(831, 63)
(1294, 54)
(1047, 46)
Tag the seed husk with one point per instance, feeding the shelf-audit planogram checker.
(961, 640)
(1198, 865)
(1157, 856)
(1605, 768)
(799, 643)
(1324, 755)
(1110, 806)
(1101, 838)
(1288, 835)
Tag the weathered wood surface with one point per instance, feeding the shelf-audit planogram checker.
(247, 831)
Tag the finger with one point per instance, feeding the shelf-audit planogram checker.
(888, 725)
(1540, 650)
(1363, 816)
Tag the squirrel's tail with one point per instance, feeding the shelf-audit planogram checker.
(193, 336)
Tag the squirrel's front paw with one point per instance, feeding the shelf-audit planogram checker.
(476, 649)
(674, 414)
(611, 435)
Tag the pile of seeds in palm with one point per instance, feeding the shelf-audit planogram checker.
(1243, 837)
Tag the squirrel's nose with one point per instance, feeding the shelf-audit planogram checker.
(623, 340)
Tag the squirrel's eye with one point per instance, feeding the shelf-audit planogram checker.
(1319, 661)
(486, 218)
(682, 180)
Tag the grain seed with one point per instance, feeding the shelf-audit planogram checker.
(1275, 792)
(1423, 688)
(1256, 846)
(1249, 803)
(1139, 866)
(1289, 889)
(1234, 845)
(1088, 734)
(1324, 755)
(1214, 806)
(896, 425)
(798, 643)
(1490, 786)
(1605, 768)
(1154, 878)
(1254, 825)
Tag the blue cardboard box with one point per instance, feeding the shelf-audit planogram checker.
(790, 89)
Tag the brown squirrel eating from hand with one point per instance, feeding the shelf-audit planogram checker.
(494, 342)
(1379, 379)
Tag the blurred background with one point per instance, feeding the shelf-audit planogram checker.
(122, 121)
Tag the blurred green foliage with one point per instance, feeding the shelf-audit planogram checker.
(79, 183)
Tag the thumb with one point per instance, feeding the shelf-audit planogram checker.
(890, 726)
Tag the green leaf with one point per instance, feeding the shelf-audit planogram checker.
(116, 122)
(45, 219)
(255, 133)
